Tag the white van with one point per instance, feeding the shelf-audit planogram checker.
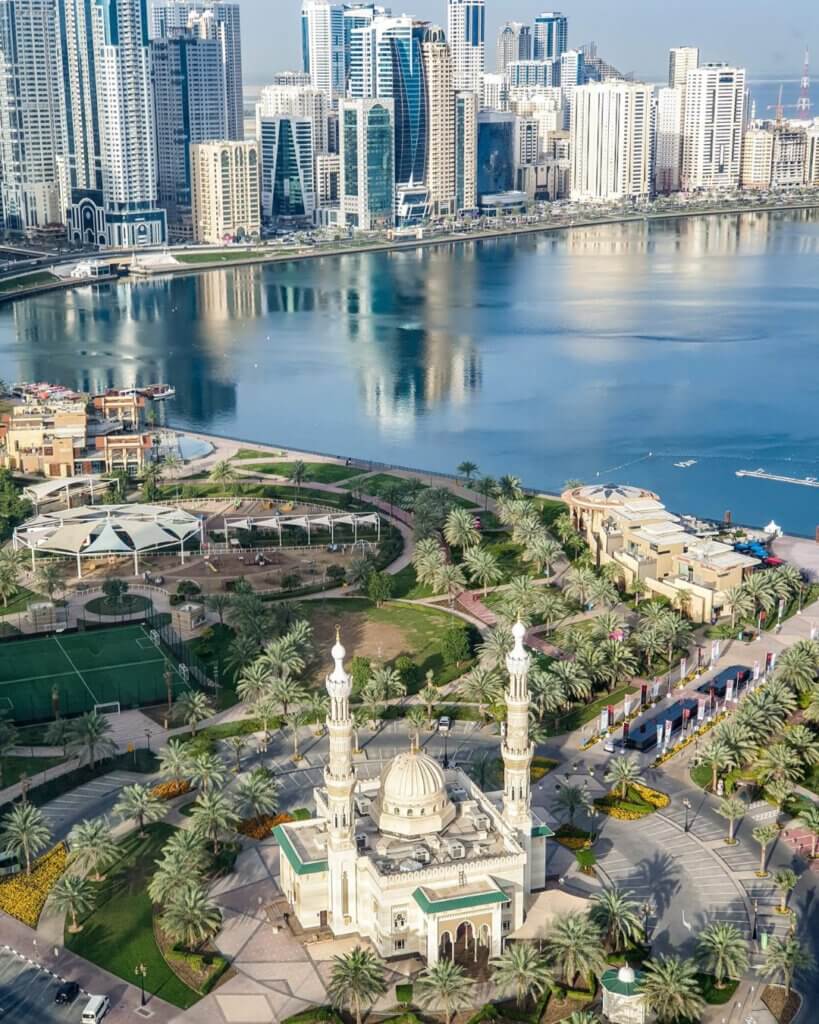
(95, 1009)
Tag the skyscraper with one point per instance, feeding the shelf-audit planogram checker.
(30, 115)
(611, 141)
(466, 152)
(322, 45)
(367, 144)
(210, 19)
(681, 60)
(299, 101)
(551, 35)
(441, 119)
(287, 160)
(713, 123)
(466, 31)
(126, 121)
(189, 100)
(496, 152)
(514, 43)
(668, 146)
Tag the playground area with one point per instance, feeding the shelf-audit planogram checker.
(71, 673)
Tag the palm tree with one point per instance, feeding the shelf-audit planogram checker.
(785, 880)
(9, 579)
(242, 650)
(297, 475)
(49, 578)
(650, 641)
(193, 707)
(237, 745)
(481, 686)
(460, 530)
(521, 971)
(670, 987)
(190, 917)
(90, 737)
(617, 916)
(24, 831)
(219, 604)
(254, 681)
(174, 761)
(450, 580)
(264, 709)
(570, 800)
(486, 486)
(578, 584)
(356, 981)
(257, 793)
(759, 588)
(206, 771)
(444, 986)
(741, 604)
(72, 894)
(722, 950)
(8, 740)
(574, 947)
(482, 567)
(467, 470)
(731, 808)
(619, 662)
(429, 697)
(214, 814)
(548, 691)
(809, 819)
(779, 762)
(287, 691)
(797, 667)
(720, 757)
(784, 958)
(294, 720)
(387, 683)
(764, 835)
(315, 709)
(604, 593)
(92, 847)
(624, 771)
(510, 487)
(804, 743)
(582, 1017)
(223, 473)
(139, 802)
(416, 719)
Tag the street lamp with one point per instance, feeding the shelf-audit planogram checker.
(148, 739)
(446, 752)
(140, 971)
(687, 806)
(756, 914)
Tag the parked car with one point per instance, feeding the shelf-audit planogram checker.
(95, 1009)
(444, 724)
(67, 993)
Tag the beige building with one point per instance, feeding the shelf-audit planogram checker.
(76, 436)
(437, 59)
(419, 861)
(632, 528)
(225, 190)
(757, 158)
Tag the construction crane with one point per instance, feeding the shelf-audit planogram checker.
(778, 107)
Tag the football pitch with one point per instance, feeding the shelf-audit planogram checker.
(81, 670)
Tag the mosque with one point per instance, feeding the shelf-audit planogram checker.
(420, 860)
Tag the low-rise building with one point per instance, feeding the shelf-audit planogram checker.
(632, 528)
(77, 436)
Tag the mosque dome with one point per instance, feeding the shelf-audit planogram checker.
(413, 800)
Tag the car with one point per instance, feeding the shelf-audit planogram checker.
(608, 745)
(95, 1009)
(67, 993)
(444, 723)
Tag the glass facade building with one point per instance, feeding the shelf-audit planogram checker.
(496, 152)
(551, 36)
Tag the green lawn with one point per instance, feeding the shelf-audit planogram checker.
(319, 472)
(221, 257)
(584, 713)
(284, 492)
(21, 601)
(118, 934)
(716, 996)
(379, 484)
(17, 284)
(250, 453)
(405, 584)
(15, 767)
(550, 509)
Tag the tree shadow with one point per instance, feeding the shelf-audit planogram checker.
(660, 875)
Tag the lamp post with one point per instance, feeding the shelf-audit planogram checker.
(148, 739)
(140, 971)
(446, 751)
(756, 914)
(687, 806)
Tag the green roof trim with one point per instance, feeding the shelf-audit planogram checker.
(301, 867)
(541, 830)
(481, 899)
(611, 981)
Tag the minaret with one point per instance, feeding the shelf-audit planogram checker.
(516, 749)
(339, 781)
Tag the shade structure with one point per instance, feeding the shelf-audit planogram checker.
(104, 530)
(308, 522)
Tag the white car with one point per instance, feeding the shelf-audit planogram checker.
(444, 723)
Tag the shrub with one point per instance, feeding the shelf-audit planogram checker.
(22, 896)
(455, 645)
(171, 789)
(403, 993)
(360, 669)
(260, 828)
(336, 573)
(410, 672)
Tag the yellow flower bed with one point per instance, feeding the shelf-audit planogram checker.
(22, 896)
(169, 790)
(651, 796)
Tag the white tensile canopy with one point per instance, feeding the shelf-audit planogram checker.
(100, 530)
(323, 520)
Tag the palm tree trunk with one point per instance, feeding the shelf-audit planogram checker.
(813, 847)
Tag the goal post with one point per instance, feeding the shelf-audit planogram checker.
(111, 708)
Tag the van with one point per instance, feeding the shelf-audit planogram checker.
(95, 1009)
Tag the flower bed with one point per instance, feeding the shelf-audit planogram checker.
(260, 828)
(170, 790)
(639, 801)
(572, 837)
(22, 896)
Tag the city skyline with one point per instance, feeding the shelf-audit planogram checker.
(768, 47)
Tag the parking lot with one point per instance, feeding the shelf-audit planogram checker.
(27, 993)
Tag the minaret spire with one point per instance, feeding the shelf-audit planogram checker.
(339, 776)
(517, 749)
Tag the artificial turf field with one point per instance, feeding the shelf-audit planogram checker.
(95, 667)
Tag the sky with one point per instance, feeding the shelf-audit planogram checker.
(766, 37)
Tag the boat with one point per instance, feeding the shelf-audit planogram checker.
(686, 464)
(158, 392)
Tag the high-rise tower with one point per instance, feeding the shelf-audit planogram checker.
(339, 778)
(517, 749)
(551, 36)
(466, 32)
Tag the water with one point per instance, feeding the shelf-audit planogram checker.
(552, 356)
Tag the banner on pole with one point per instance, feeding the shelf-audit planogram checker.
(683, 668)
(655, 689)
(668, 725)
(756, 670)
(729, 690)
(604, 720)
(701, 709)
(643, 694)
(659, 735)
